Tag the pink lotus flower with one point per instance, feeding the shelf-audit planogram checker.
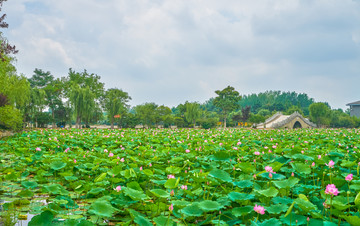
(38, 149)
(270, 175)
(111, 154)
(319, 156)
(256, 153)
(105, 150)
(117, 189)
(313, 164)
(150, 164)
(330, 164)
(122, 160)
(292, 174)
(331, 189)
(170, 176)
(74, 160)
(269, 169)
(187, 150)
(171, 207)
(184, 187)
(141, 168)
(172, 193)
(259, 209)
(239, 143)
(349, 177)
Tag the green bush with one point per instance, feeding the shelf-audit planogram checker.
(10, 118)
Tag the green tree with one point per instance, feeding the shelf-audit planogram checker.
(10, 118)
(115, 103)
(146, 113)
(5, 47)
(320, 113)
(227, 100)
(192, 112)
(82, 100)
(163, 116)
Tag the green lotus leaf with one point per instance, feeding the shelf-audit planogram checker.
(246, 167)
(26, 193)
(56, 189)
(57, 165)
(135, 194)
(172, 183)
(173, 169)
(29, 184)
(192, 211)
(148, 172)
(305, 205)
(301, 167)
(220, 174)
(180, 203)
(163, 221)
(270, 192)
(99, 178)
(208, 205)
(271, 222)
(44, 219)
(140, 220)
(353, 220)
(242, 211)
(102, 208)
(289, 183)
(243, 184)
(277, 209)
(160, 193)
(221, 156)
(96, 191)
(236, 196)
(71, 178)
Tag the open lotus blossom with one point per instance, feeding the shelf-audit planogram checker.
(331, 189)
(349, 177)
(170, 176)
(38, 149)
(269, 169)
(122, 160)
(118, 188)
(105, 150)
(256, 153)
(313, 164)
(330, 164)
(74, 160)
(111, 154)
(184, 187)
(187, 150)
(259, 209)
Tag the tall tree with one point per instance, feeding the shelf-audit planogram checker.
(146, 113)
(192, 112)
(115, 103)
(320, 113)
(82, 100)
(5, 47)
(227, 100)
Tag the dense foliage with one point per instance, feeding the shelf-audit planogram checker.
(226, 177)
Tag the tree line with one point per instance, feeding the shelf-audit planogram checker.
(80, 100)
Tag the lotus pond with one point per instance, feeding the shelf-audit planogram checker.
(181, 177)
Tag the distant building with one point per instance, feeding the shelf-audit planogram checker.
(354, 108)
(292, 121)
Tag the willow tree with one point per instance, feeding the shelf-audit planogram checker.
(192, 112)
(115, 103)
(82, 100)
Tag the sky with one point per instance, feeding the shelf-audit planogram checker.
(172, 51)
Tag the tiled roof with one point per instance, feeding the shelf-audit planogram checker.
(354, 103)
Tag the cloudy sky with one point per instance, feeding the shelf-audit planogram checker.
(170, 51)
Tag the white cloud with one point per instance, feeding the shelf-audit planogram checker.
(170, 51)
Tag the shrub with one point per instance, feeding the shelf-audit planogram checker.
(10, 118)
